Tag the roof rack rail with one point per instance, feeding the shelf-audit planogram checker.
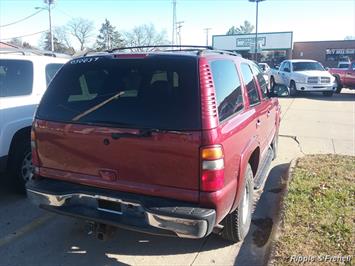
(191, 47)
(25, 51)
(220, 52)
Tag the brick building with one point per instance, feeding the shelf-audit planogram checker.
(329, 53)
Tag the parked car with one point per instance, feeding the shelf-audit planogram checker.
(170, 143)
(344, 65)
(24, 77)
(303, 75)
(344, 77)
(264, 67)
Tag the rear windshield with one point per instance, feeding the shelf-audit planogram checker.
(156, 92)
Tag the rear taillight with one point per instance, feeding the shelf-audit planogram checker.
(35, 158)
(212, 168)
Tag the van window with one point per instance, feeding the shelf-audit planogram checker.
(249, 82)
(16, 77)
(158, 92)
(228, 89)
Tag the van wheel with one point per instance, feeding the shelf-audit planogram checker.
(236, 224)
(20, 165)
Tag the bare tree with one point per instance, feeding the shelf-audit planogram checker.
(82, 30)
(145, 35)
(247, 27)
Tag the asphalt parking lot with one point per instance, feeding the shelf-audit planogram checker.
(311, 123)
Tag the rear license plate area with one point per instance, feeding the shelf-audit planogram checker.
(109, 206)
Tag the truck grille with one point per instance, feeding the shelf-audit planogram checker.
(312, 80)
(325, 80)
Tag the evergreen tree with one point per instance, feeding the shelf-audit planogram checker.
(109, 37)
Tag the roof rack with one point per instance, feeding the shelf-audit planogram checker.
(154, 47)
(25, 51)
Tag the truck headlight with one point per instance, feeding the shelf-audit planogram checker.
(300, 79)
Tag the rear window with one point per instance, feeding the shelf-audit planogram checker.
(16, 77)
(156, 92)
(51, 70)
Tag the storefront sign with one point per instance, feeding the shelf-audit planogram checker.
(244, 42)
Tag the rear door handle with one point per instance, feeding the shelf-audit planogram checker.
(258, 123)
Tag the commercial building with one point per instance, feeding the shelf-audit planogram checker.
(274, 47)
(329, 53)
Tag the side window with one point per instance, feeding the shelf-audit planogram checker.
(228, 88)
(287, 67)
(16, 77)
(261, 80)
(51, 70)
(353, 66)
(282, 66)
(249, 82)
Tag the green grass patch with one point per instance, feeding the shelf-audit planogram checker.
(319, 210)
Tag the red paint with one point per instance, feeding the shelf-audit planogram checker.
(164, 164)
(345, 76)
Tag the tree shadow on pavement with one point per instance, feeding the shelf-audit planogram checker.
(256, 246)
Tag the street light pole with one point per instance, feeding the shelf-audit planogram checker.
(207, 31)
(256, 28)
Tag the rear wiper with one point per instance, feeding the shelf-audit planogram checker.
(97, 106)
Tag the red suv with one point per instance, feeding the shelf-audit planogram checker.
(164, 142)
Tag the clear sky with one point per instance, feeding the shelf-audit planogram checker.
(310, 20)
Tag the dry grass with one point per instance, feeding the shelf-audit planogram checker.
(319, 209)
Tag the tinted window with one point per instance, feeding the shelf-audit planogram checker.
(157, 92)
(16, 77)
(228, 89)
(261, 80)
(252, 90)
(51, 70)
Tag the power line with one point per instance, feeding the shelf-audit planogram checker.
(20, 20)
(31, 34)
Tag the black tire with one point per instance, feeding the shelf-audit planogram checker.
(328, 93)
(275, 146)
(292, 89)
(339, 87)
(236, 224)
(19, 156)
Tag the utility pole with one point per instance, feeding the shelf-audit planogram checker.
(207, 31)
(178, 29)
(173, 35)
(49, 3)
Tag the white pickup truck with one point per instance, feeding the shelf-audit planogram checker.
(24, 77)
(303, 75)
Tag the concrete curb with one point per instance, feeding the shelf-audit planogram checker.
(278, 222)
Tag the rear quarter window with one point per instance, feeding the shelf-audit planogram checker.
(228, 88)
(249, 82)
(16, 77)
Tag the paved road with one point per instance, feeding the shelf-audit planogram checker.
(29, 236)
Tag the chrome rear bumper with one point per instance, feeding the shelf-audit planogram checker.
(136, 212)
